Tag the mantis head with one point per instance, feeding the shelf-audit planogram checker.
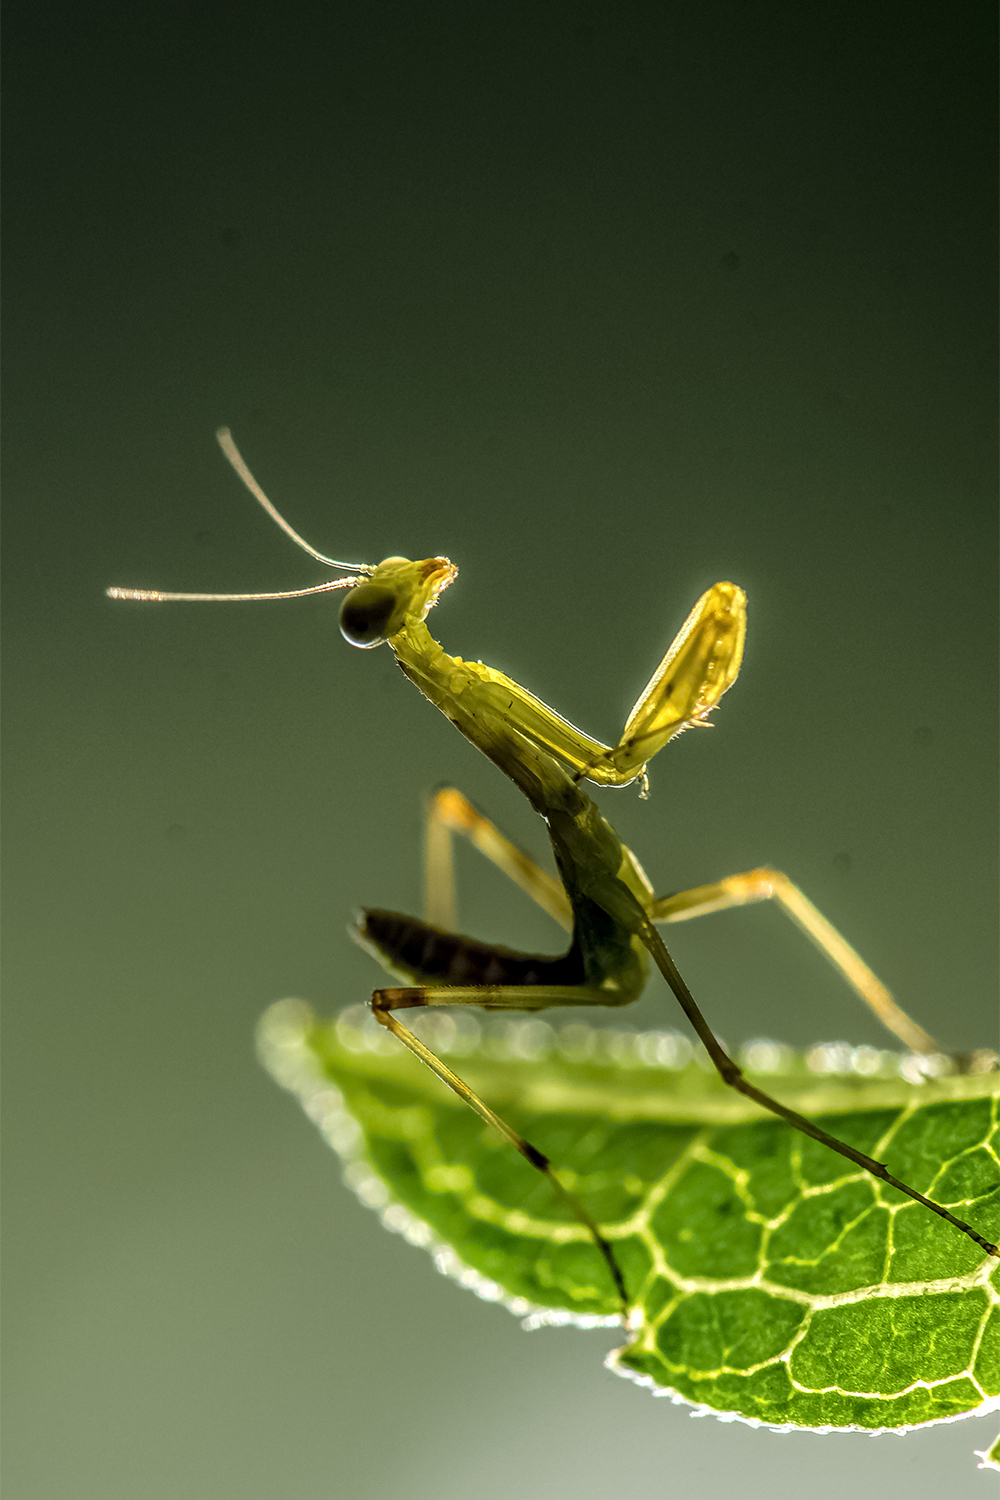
(398, 593)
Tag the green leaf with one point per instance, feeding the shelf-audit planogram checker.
(771, 1280)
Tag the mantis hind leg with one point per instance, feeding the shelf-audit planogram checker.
(386, 1001)
(618, 901)
(731, 1074)
(771, 885)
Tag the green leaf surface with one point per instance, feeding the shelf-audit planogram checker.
(771, 1280)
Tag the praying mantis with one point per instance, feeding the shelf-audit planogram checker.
(603, 897)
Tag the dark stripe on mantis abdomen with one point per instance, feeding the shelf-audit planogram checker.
(428, 956)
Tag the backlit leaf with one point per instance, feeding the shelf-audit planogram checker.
(771, 1280)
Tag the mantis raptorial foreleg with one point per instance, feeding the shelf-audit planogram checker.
(771, 885)
(701, 664)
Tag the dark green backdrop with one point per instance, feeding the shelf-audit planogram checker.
(605, 302)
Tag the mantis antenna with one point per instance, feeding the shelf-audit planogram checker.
(359, 571)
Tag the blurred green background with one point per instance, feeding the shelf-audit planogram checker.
(606, 303)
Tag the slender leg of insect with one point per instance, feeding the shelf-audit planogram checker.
(731, 1074)
(439, 869)
(448, 813)
(771, 885)
(384, 1002)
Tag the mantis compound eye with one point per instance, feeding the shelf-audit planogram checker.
(365, 614)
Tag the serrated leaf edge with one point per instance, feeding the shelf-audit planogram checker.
(698, 1409)
(284, 1050)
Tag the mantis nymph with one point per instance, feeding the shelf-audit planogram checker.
(602, 897)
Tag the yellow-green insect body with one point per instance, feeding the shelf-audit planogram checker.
(602, 896)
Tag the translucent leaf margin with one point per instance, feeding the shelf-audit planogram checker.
(285, 1049)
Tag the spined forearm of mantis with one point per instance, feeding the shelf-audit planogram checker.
(602, 897)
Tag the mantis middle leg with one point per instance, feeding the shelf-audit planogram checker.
(450, 813)
(766, 884)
